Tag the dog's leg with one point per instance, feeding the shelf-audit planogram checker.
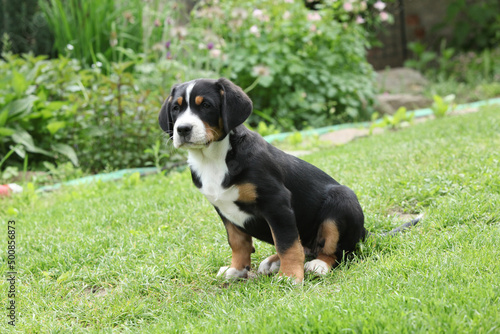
(242, 248)
(290, 251)
(328, 238)
(292, 260)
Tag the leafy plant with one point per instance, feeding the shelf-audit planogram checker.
(57, 112)
(422, 57)
(106, 30)
(441, 105)
(28, 120)
(265, 130)
(158, 155)
(475, 25)
(393, 122)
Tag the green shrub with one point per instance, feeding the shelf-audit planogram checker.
(32, 112)
(475, 25)
(55, 111)
(305, 67)
(25, 27)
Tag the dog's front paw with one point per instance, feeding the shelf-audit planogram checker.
(232, 273)
(269, 266)
(318, 267)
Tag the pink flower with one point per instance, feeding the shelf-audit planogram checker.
(348, 7)
(384, 16)
(380, 5)
(363, 6)
(360, 20)
(259, 15)
(313, 28)
(215, 53)
(314, 17)
(288, 1)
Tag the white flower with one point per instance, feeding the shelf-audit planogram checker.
(360, 20)
(261, 70)
(257, 13)
(255, 30)
(70, 47)
(380, 5)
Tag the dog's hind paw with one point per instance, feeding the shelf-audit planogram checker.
(269, 266)
(318, 267)
(232, 273)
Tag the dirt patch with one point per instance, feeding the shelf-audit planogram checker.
(344, 136)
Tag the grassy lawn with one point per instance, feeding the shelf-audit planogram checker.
(142, 255)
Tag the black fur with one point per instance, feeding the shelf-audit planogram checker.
(293, 197)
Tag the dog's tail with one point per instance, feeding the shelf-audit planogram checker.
(405, 226)
(399, 229)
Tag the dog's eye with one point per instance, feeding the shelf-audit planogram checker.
(176, 108)
(205, 105)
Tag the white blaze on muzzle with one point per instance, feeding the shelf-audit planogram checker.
(189, 128)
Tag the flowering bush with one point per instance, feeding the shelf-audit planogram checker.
(301, 67)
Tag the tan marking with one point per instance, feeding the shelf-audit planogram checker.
(330, 234)
(169, 98)
(214, 133)
(198, 100)
(179, 100)
(221, 92)
(247, 192)
(241, 246)
(292, 262)
(273, 258)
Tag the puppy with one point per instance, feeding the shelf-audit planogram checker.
(258, 190)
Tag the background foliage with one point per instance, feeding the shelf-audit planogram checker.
(303, 64)
(54, 110)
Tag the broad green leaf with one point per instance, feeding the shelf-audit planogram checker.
(4, 132)
(55, 105)
(55, 126)
(3, 116)
(19, 149)
(19, 83)
(67, 151)
(24, 138)
(21, 107)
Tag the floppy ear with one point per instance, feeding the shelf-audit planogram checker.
(236, 105)
(164, 118)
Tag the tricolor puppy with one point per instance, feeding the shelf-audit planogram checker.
(258, 190)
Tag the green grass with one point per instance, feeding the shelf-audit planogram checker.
(142, 255)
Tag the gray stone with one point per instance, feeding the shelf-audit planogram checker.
(400, 80)
(390, 103)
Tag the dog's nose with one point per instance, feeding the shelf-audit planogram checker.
(184, 130)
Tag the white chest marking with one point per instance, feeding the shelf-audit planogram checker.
(210, 166)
